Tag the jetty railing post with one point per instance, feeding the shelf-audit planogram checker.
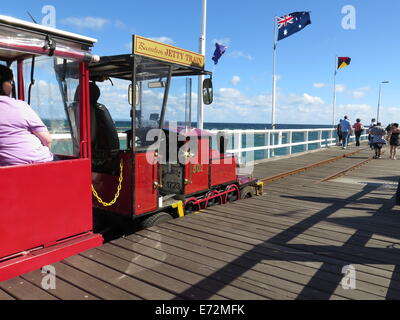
(272, 151)
(320, 139)
(306, 140)
(237, 140)
(290, 141)
(266, 143)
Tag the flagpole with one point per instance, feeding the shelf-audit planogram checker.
(334, 94)
(274, 78)
(272, 152)
(202, 50)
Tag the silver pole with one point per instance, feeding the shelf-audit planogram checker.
(379, 99)
(202, 50)
(273, 125)
(379, 102)
(334, 94)
(188, 104)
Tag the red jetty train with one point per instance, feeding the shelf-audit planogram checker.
(152, 172)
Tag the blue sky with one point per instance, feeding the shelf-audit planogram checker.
(243, 76)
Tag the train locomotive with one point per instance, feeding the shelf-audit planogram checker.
(168, 169)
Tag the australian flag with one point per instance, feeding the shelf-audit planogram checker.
(292, 23)
(219, 51)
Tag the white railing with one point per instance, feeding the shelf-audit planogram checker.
(279, 139)
(274, 142)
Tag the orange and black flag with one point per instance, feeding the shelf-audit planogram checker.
(343, 62)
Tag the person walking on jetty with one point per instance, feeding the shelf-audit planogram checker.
(378, 133)
(372, 124)
(358, 129)
(394, 141)
(339, 133)
(345, 127)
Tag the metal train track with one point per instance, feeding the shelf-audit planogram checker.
(319, 164)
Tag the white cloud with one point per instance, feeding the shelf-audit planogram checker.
(353, 110)
(166, 40)
(319, 85)
(340, 88)
(120, 24)
(360, 93)
(232, 105)
(240, 54)
(163, 39)
(307, 99)
(128, 45)
(235, 80)
(95, 23)
(223, 41)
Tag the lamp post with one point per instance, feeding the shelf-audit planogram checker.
(379, 99)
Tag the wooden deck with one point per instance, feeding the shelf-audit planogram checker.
(290, 243)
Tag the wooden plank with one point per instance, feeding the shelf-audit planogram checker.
(372, 224)
(288, 255)
(242, 265)
(319, 227)
(259, 278)
(138, 288)
(24, 290)
(96, 287)
(5, 296)
(179, 274)
(154, 278)
(384, 271)
(257, 254)
(63, 290)
(378, 222)
(204, 270)
(290, 164)
(294, 198)
(354, 251)
(376, 244)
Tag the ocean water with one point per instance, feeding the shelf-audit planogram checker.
(124, 125)
(65, 147)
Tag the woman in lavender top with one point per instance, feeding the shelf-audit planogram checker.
(24, 139)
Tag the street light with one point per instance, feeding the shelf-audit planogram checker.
(379, 99)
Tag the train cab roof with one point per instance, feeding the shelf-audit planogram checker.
(19, 38)
(121, 67)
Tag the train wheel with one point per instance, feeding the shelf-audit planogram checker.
(246, 192)
(155, 219)
(233, 195)
(214, 201)
(190, 207)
